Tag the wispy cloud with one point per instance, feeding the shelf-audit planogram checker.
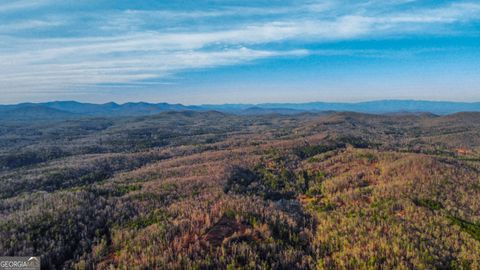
(28, 25)
(19, 5)
(102, 69)
(135, 45)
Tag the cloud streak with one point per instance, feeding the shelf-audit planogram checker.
(20, 5)
(152, 44)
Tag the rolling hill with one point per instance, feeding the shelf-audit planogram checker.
(213, 190)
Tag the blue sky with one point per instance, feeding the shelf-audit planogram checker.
(230, 51)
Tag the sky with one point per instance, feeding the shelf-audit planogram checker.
(232, 51)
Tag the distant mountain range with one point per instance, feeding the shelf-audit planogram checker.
(73, 109)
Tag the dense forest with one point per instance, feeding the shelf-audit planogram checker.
(210, 190)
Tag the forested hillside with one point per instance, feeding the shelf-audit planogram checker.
(209, 190)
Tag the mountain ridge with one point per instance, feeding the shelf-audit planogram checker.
(112, 109)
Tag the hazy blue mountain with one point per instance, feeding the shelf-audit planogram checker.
(81, 108)
(114, 109)
(382, 106)
(68, 109)
(27, 112)
(259, 110)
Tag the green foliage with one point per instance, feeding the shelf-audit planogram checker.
(356, 142)
(313, 150)
(428, 203)
(124, 189)
(230, 213)
(323, 207)
(370, 157)
(157, 216)
(466, 226)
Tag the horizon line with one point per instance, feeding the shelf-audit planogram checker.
(252, 104)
